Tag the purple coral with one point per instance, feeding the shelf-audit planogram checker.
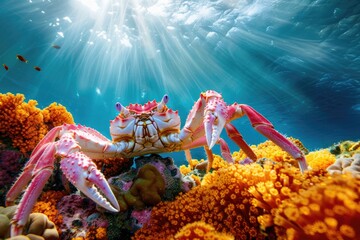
(140, 217)
(10, 165)
(79, 214)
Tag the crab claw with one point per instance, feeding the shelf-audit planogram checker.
(84, 175)
(214, 123)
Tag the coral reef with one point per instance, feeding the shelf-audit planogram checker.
(23, 125)
(268, 199)
(237, 195)
(201, 231)
(222, 201)
(38, 226)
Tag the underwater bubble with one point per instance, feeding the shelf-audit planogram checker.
(67, 19)
(61, 34)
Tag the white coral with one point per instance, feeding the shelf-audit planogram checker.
(346, 165)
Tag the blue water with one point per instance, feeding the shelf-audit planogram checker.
(296, 62)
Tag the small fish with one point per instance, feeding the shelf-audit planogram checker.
(56, 46)
(6, 67)
(21, 58)
(37, 68)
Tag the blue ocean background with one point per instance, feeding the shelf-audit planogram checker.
(295, 61)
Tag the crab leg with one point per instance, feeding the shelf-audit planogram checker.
(39, 173)
(42, 148)
(77, 167)
(194, 120)
(262, 125)
(234, 135)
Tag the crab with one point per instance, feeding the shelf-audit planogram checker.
(137, 130)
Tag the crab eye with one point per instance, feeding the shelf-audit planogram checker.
(165, 98)
(122, 110)
(162, 105)
(118, 106)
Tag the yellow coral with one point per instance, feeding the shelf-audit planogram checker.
(280, 182)
(330, 210)
(146, 190)
(320, 159)
(219, 162)
(201, 231)
(193, 163)
(185, 169)
(270, 150)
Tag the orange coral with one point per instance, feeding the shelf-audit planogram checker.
(280, 182)
(222, 201)
(21, 122)
(320, 159)
(201, 231)
(24, 124)
(56, 114)
(219, 162)
(330, 210)
(95, 233)
(47, 204)
(113, 166)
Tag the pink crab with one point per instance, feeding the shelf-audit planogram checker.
(137, 130)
